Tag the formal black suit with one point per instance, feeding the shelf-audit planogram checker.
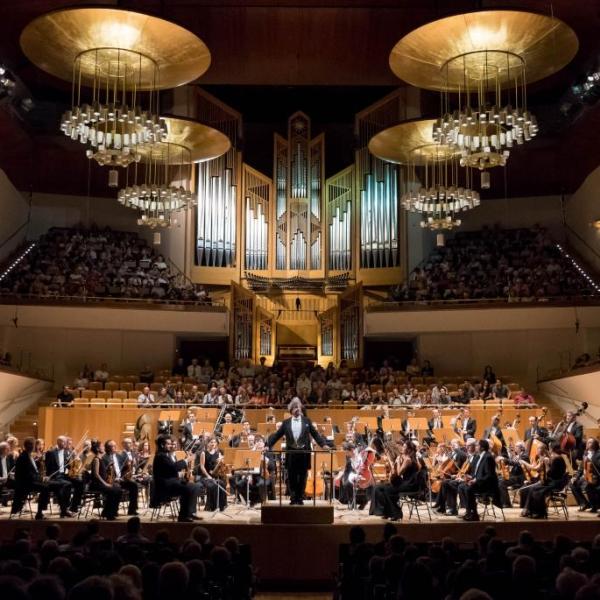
(485, 482)
(127, 484)
(469, 427)
(167, 484)
(587, 493)
(6, 483)
(51, 458)
(446, 500)
(541, 432)
(516, 478)
(299, 459)
(28, 479)
(576, 429)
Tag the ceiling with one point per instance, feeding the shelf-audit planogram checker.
(326, 57)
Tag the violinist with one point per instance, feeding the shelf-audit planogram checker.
(241, 439)
(553, 477)
(122, 468)
(468, 425)
(211, 468)
(29, 479)
(446, 502)
(167, 484)
(385, 496)
(586, 482)
(102, 481)
(511, 466)
(58, 461)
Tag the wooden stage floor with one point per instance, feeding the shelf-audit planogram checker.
(307, 555)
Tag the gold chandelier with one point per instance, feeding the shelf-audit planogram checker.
(482, 62)
(445, 189)
(117, 62)
(158, 186)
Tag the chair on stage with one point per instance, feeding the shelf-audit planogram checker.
(160, 507)
(557, 501)
(419, 499)
(486, 500)
(29, 499)
(92, 500)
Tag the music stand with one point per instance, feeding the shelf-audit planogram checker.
(169, 416)
(249, 462)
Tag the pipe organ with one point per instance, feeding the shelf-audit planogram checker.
(299, 172)
(297, 239)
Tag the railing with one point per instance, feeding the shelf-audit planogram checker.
(372, 305)
(114, 302)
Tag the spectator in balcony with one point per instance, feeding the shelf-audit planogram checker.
(81, 382)
(101, 374)
(500, 391)
(147, 375)
(65, 396)
(427, 370)
(179, 368)
(583, 360)
(194, 396)
(303, 383)
(146, 398)
(489, 375)
(413, 369)
(163, 398)
(224, 398)
(523, 397)
(212, 396)
(194, 370)
(206, 372)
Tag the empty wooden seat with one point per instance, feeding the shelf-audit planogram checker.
(104, 394)
(133, 394)
(141, 386)
(88, 393)
(119, 394)
(114, 403)
(95, 385)
(81, 402)
(155, 387)
(126, 386)
(111, 386)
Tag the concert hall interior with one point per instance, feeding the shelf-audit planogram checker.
(299, 299)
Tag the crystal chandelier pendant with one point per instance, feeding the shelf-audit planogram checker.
(160, 186)
(491, 117)
(115, 115)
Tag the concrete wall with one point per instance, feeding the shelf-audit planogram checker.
(59, 340)
(522, 342)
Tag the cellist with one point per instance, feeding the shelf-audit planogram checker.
(585, 484)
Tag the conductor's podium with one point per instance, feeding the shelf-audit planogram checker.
(319, 513)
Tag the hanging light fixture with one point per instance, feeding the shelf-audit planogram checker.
(482, 62)
(445, 189)
(159, 185)
(117, 62)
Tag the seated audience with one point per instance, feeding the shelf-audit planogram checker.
(65, 396)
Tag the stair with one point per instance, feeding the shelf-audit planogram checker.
(26, 424)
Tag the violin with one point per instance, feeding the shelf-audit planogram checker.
(110, 473)
(589, 472)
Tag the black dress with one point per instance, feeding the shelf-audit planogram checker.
(384, 499)
(536, 494)
(112, 494)
(216, 489)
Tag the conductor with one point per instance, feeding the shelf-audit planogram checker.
(297, 430)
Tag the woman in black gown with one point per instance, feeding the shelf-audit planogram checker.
(404, 478)
(555, 479)
(100, 482)
(212, 472)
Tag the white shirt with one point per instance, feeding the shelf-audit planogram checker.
(33, 463)
(143, 399)
(61, 460)
(116, 464)
(296, 427)
(4, 466)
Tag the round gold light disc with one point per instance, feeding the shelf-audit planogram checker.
(410, 141)
(203, 142)
(546, 44)
(53, 41)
